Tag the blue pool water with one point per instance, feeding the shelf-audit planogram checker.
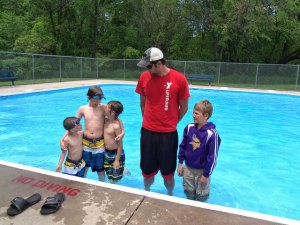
(258, 165)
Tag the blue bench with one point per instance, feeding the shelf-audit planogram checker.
(200, 77)
(8, 75)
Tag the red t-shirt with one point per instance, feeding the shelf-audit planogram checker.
(162, 94)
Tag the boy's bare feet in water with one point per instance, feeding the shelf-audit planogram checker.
(126, 172)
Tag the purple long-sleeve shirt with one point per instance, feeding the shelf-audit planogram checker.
(199, 147)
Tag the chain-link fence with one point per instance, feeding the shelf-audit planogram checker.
(36, 68)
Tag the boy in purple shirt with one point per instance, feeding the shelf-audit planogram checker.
(199, 149)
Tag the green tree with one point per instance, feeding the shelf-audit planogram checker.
(209, 30)
(240, 27)
(286, 31)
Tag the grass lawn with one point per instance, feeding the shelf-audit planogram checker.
(281, 87)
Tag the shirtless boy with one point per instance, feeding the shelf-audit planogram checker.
(114, 160)
(74, 164)
(93, 142)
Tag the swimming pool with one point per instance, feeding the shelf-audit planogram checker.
(257, 167)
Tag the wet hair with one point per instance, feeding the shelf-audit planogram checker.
(69, 122)
(204, 106)
(93, 91)
(117, 107)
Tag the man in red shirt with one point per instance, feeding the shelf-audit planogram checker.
(164, 94)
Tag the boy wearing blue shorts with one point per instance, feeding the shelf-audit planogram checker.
(93, 142)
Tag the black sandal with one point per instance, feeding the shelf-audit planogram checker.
(19, 204)
(52, 204)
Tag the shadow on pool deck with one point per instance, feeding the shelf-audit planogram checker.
(93, 202)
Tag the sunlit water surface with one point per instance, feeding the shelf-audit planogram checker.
(258, 164)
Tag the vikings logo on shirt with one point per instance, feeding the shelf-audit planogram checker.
(195, 143)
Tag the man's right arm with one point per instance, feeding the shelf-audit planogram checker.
(142, 103)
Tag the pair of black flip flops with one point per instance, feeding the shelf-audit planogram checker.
(51, 205)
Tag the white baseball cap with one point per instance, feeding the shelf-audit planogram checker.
(150, 55)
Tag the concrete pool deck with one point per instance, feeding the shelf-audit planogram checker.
(92, 202)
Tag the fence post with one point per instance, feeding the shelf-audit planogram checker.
(124, 68)
(81, 68)
(97, 68)
(296, 86)
(59, 68)
(256, 76)
(32, 56)
(219, 73)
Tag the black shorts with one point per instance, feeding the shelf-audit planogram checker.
(158, 152)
